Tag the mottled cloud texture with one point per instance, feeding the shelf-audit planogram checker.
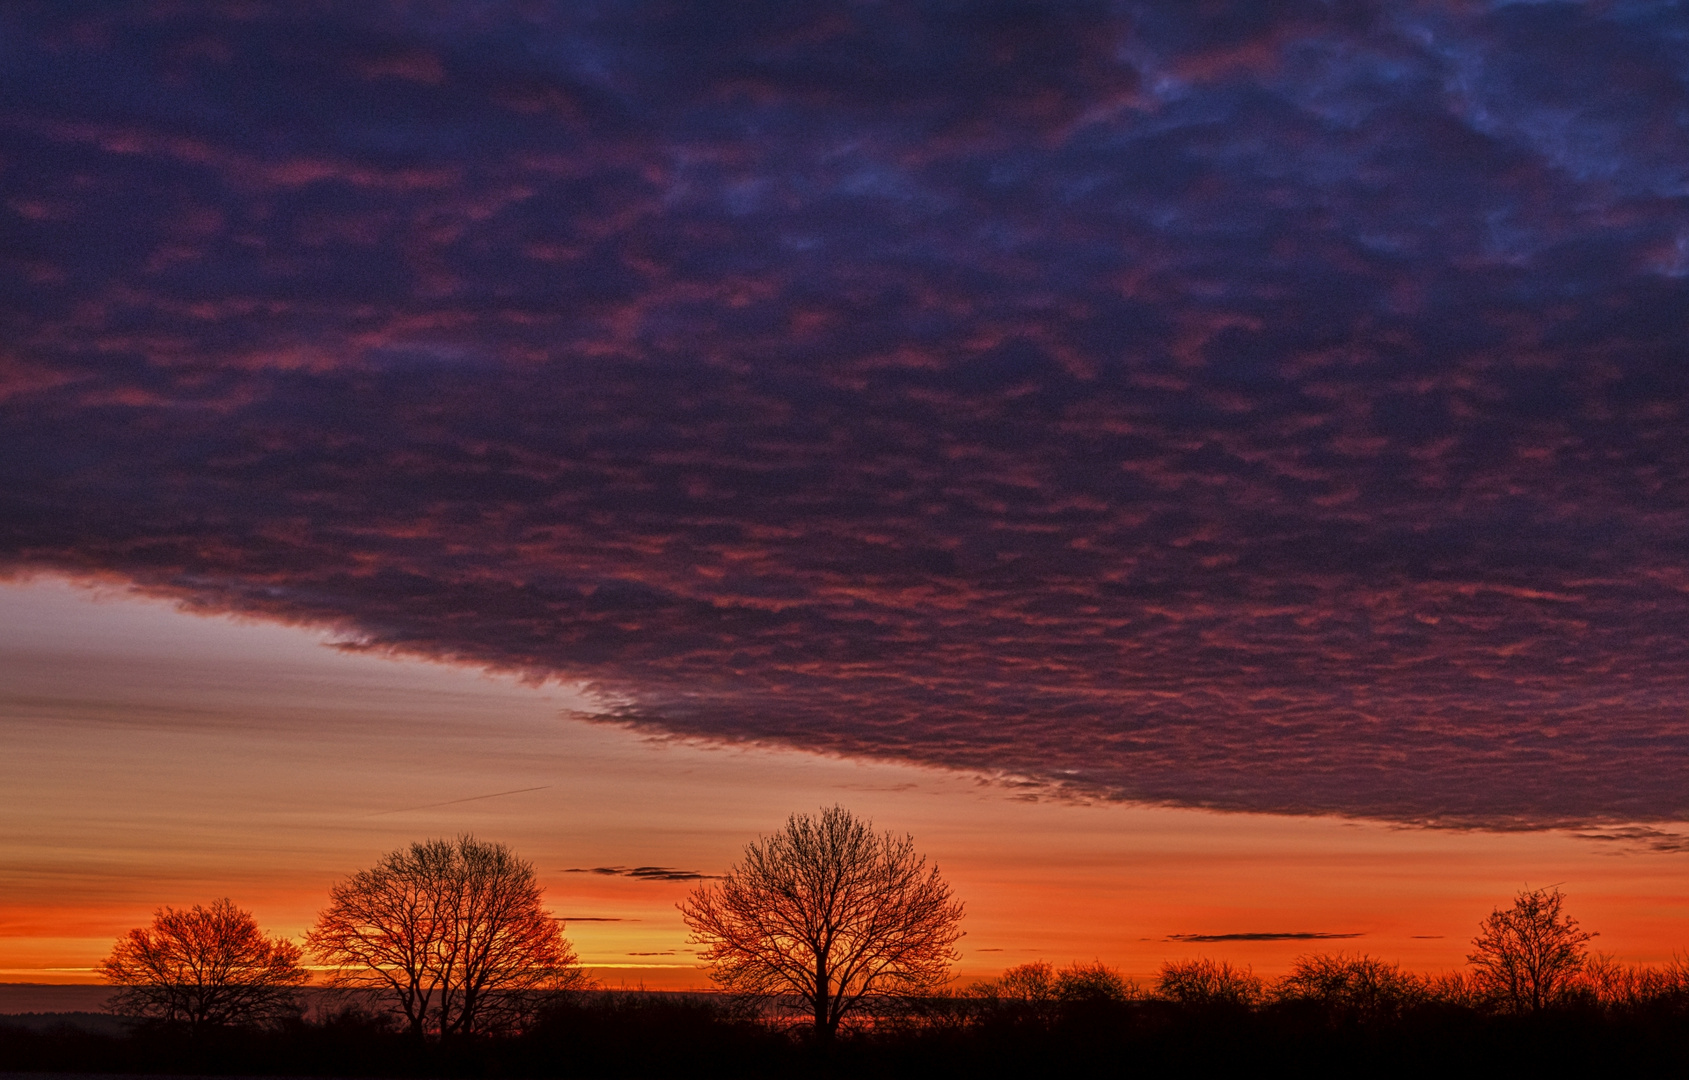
(1261, 406)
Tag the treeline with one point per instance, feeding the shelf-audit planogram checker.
(831, 947)
(1339, 989)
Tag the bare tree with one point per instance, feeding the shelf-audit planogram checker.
(451, 932)
(1025, 992)
(1614, 986)
(1352, 987)
(1527, 957)
(830, 913)
(1455, 988)
(1038, 992)
(1611, 985)
(1093, 982)
(1032, 983)
(204, 968)
(1208, 982)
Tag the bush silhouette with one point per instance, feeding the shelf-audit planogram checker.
(1351, 988)
(1209, 983)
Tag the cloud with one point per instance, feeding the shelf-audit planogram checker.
(1273, 410)
(645, 873)
(1638, 838)
(1253, 936)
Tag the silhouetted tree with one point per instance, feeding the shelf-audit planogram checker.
(1033, 983)
(1208, 982)
(1351, 987)
(452, 933)
(1526, 957)
(203, 968)
(1609, 984)
(1673, 985)
(1095, 981)
(831, 913)
(1037, 991)
(1025, 992)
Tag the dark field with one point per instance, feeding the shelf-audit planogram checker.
(608, 1034)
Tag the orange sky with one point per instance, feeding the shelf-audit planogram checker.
(154, 757)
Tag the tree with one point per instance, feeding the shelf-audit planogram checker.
(1208, 983)
(451, 932)
(1039, 993)
(1609, 984)
(204, 968)
(1527, 956)
(1023, 993)
(1031, 984)
(1356, 988)
(830, 913)
(1092, 983)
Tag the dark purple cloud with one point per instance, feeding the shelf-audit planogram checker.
(1278, 409)
(644, 873)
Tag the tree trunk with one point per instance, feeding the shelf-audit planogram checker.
(823, 1003)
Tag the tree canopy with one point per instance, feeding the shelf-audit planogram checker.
(829, 913)
(1527, 956)
(204, 967)
(453, 934)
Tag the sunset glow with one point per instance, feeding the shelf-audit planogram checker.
(163, 758)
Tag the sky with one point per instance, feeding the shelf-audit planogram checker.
(159, 757)
(1255, 417)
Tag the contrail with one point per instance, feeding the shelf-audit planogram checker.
(454, 802)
